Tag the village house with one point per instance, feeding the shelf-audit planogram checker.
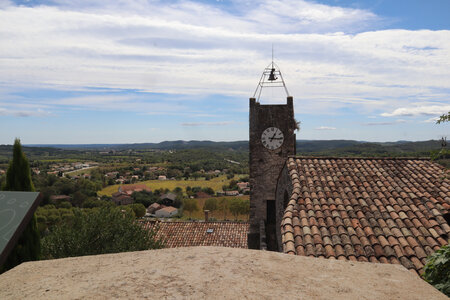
(154, 207)
(231, 193)
(166, 212)
(130, 189)
(120, 198)
(168, 199)
(189, 234)
(377, 210)
(112, 174)
(123, 195)
(120, 180)
(242, 185)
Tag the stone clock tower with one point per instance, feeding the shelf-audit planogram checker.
(272, 140)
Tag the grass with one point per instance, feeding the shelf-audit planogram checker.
(215, 183)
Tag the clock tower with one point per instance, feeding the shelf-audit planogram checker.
(272, 140)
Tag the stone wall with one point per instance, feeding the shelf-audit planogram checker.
(283, 194)
(266, 165)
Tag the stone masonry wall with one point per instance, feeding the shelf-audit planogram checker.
(284, 189)
(266, 165)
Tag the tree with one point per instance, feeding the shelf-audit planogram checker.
(233, 185)
(210, 204)
(245, 208)
(235, 207)
(138, 209)
(177, 190)
(208, 190)
(145, 197)
(196, 175)
(18, 175)
(437, 270)
(18, 178)
(444, 118)
(190, 205)
(98, 231)
(223, 205)
(442, 153)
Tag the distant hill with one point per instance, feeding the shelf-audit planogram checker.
(366, 149)
(304, 147)
(308, 146)
(166, 145)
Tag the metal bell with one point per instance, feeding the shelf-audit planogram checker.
(272, 75)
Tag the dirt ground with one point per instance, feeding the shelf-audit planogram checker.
(210, 273)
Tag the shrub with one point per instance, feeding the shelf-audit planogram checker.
(65, 204)
(190, 205)
(98, 231)
(138, 209)
(437, 270)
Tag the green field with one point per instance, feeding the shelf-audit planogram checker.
(215, 183)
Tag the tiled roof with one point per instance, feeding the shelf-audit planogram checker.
(134, 187)
(169, 209)
(170, 196)
(377, 210)
(186, 234)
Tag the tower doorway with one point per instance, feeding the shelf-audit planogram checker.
(271, 236)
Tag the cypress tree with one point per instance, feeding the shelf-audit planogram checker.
(18, 178)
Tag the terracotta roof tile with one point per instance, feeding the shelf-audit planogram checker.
(376, 210)
(187, 234)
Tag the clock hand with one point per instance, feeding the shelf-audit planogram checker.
(271, 139)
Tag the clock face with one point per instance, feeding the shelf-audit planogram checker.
(272, 138)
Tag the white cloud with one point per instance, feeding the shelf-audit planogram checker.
(92, 100)
(224, 123)
(24, 113)
(197, 49)
(384, 123)
(428, 110)
(325, 128)
(431, 120)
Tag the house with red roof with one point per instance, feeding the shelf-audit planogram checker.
(379, 210)
(189, 234)
(131, 188)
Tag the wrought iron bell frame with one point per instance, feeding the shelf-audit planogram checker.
(271, 77)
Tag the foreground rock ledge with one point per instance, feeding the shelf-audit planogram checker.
(212, 273)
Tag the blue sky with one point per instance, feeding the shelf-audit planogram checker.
(135, 71)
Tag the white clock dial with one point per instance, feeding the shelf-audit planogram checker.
(272, 138)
